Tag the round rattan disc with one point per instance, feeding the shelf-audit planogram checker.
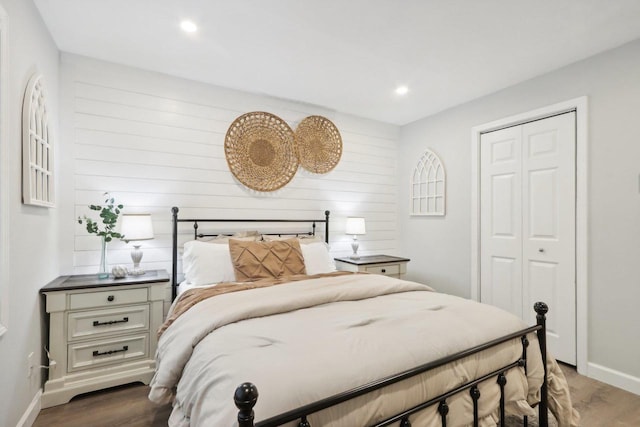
(260, 151)
(319, 144)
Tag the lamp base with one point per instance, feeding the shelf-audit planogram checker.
(136, 257)
(354, 246)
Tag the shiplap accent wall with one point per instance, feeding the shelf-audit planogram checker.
(155, 141)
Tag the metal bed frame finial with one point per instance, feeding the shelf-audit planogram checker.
(246, 396)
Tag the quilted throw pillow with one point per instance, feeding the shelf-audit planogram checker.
(261, 260)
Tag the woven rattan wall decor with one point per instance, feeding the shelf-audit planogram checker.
(260, 151)
(319, 144)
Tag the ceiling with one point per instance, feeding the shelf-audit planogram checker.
(347, 55)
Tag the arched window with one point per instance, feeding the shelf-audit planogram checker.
(428, 186)
(37, 147)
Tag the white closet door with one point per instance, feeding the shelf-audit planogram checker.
(501, 219)
(549, 211)
(527, 233)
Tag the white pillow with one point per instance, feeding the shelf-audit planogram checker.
(207, 263)
(317, 258)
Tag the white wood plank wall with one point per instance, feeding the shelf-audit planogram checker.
(155, 141)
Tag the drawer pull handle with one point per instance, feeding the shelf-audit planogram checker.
(110, 298)
(96, 353)
(384, 270)
(110, 322)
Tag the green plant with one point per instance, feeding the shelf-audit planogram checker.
(109, 213)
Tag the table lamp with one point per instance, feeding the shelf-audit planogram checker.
(136, 227)
(355, 226)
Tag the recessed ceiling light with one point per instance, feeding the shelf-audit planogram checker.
(188, 26)
(402, 90)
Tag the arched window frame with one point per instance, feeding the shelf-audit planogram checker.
(428, 186)
(37, 147)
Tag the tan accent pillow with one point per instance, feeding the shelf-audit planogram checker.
(261, 260)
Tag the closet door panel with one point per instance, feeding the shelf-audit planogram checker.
(548, 173)
(501, 220)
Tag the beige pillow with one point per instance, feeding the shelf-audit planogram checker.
(250, 236)
(305, 240)
(261, 260)
(225, 239)
(247, 233)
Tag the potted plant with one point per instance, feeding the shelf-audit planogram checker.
(109, 213)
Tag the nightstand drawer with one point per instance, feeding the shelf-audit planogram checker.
(96, 323)
(104, 299)
(105, 352)
(392, 269)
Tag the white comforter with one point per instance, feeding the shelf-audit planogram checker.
(302, 341)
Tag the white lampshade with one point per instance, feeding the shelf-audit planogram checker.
(136, 227)
(355, 225)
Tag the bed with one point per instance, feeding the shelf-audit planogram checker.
(340, 349)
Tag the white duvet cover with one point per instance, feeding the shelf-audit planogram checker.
(302, 341)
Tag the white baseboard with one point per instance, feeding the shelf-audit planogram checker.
(615, 378)
(30, 415)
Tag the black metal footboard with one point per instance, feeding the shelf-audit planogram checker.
(246, 395)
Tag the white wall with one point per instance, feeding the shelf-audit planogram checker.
(33, 234)
(155, 141)
(440, 247)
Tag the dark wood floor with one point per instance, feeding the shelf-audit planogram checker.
(119, 406)
(600, 405)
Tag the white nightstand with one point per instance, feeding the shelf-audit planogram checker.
(102, 332)
(378, 264)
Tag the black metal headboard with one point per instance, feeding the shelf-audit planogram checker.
(196, 235)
